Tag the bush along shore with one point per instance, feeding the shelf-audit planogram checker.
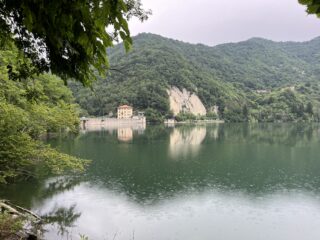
(18, 223)
(31, 105)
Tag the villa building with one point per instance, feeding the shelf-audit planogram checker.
(125, 112)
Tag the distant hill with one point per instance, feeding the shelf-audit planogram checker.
(246, 80)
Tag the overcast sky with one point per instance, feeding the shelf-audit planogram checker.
(213, 22)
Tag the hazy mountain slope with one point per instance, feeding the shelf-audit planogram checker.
(307, 51)
(142, 76)
(256, 63)
(226, 75)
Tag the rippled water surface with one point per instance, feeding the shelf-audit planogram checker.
(227, 181)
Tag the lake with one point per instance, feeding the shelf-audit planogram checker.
(218, 181)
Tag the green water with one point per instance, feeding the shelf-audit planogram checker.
(227, 181)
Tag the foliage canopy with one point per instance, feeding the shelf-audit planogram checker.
(69, 38)
(29, 109)
(313, 6)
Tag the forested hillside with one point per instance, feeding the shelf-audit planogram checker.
(252, 80)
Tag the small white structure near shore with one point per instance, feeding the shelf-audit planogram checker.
(170, 122)
(112, 123)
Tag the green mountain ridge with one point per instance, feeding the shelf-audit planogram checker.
(227, 75)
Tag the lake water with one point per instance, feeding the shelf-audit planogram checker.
(224, 181)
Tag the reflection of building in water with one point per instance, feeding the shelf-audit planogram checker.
(125, 134)
(184, 142)
(124, 128)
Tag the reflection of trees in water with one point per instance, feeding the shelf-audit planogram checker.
(59, 185)
(269, 133)
(30, 194)
(62, 217)
(26, 193)
(252, 158)
(272, 133)
(155, 132)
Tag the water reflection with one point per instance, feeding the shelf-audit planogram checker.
(235, 181)
(185, 141)
(61, 218)
(54, 186)
(125, 134)
(125, 129)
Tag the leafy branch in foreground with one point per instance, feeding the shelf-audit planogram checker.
(69, 38)
(313, 6)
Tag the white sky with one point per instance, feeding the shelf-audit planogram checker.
(219, 21)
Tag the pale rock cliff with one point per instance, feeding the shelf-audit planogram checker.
(185, 101)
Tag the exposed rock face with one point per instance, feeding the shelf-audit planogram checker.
(214, 109)
(185, 101)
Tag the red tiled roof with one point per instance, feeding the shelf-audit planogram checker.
(124, 106)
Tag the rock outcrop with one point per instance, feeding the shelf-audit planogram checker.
(185, 101)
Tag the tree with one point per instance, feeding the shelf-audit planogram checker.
(313, 6)
(30, 109)
(68, 38)
(245, 112)
(309, 108)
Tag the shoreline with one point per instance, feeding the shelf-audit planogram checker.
(197, 122)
